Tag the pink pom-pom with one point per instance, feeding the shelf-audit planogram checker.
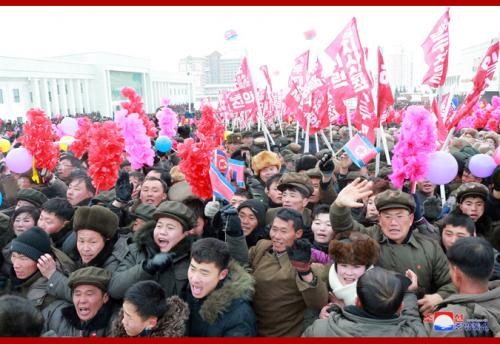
(137, 142)
(167, 119)
(417, 140)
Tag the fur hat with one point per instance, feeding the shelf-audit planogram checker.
(305, 162)
(96, 218)
(493, 136)
(176, 175)
(354, 248)
(263, 160)
(470, 131)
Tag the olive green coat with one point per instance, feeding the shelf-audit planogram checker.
(421, 254)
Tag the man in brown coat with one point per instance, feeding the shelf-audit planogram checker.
(285, 284)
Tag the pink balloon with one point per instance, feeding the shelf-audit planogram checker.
(19, 160)
(442, 168)
(69, 126)
(496, 155)
(481, 165)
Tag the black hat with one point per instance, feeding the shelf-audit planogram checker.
(177, 211)
(96, 218)
(33, 243)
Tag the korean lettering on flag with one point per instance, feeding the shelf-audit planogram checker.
(364, 115)
(436, 48)
(242, 98)
(350, 76)
(298, 75)
(384, 92)
(360, 150)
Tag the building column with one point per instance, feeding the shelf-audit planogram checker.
(86, 100)
(63, 96)
(78, 95)
(71, 97)
(55, 97)
(45, 97)
(35, 89)
(93, 107)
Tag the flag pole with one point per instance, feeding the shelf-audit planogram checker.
(384, 142)
(317, 143)
(323, 136)
(377, 159)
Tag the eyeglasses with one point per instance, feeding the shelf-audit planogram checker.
(399, 218)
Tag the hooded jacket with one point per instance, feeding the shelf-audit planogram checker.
(227, 310)
(174, 280)
(171, 324)
(342, 322)
(259, 210)
(472, 306)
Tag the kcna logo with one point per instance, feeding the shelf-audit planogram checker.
(445, 321)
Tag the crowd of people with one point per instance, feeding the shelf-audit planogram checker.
(311, 246)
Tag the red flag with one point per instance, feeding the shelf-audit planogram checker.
(242, 100)
(444, 101)
(364, 115)
(481, 80)
(436, 48)
(348, 55)
(266, 75)
(442, 133)
(384, 93)
(299, 72)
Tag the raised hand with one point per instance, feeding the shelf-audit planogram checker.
(353, 192)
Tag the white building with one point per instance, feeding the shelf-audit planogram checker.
(84, 83)
(463, 68)
(399, 64)
(210, 74)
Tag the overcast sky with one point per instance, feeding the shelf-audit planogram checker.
(268, 35)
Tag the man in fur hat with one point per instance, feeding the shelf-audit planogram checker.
(264, 165)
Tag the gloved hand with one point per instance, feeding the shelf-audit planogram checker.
(300, 256)
(326, 164)
(233, 225)
(123, 188)
(432, 208)
(496, 178)
(160, 262)
(212, 208)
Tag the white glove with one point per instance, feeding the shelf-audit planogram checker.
(212, 208)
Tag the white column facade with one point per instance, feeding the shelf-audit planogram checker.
(78, 95)
(63, 96)
(55, 97)
(71, 97)
(92, 95)
(45, 97)
(36, 93)
(86, 99)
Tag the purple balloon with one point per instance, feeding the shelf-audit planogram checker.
(69, 126)
(482, 165)
(19, 160)
(442, 168)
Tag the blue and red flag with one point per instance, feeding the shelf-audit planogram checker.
(221, 187)
(360, 150)
(221, 161)
(237, 172)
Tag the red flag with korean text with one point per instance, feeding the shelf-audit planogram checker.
(384, 92)
(350, 77)
(436, 48)
(482, 80)
(443, 102)
(242, 99)
(298, 75)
